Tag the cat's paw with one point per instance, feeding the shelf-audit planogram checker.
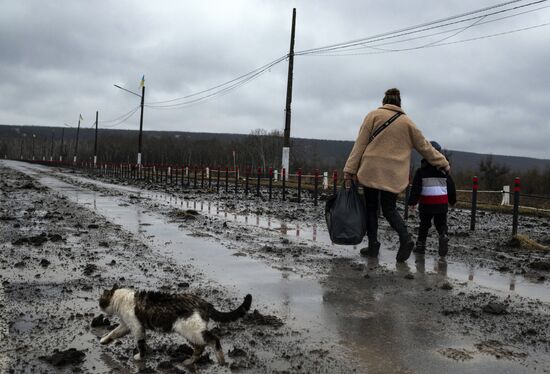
(138, 357)
(105, 340)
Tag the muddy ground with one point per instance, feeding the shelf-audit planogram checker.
(58, 253)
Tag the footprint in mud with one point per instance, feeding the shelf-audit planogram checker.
(499, 350)
(457, 354)
(256, 318)
(493, 348)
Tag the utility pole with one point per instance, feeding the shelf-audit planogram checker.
(76, 144)
(61, 147)
(51, 147)
(141, 124)
(142, 96)
(95, 142)
(286, 144)
(21, 148)
(33, 137)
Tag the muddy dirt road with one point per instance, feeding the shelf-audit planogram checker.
(64, 236)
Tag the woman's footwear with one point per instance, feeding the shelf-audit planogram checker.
(371, 251)
(405, 249)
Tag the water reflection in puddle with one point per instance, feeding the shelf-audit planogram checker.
(508, 283)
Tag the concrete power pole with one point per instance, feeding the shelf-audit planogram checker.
(95, 141)
(286, 144)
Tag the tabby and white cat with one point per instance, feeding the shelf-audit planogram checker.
(186, 314)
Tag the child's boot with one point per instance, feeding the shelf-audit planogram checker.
(420, 247)
(443, 245)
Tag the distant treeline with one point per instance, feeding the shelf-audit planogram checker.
(260, 148)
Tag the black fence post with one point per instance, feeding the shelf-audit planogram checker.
(218, 179)
(209, 177)
(474, 203)
(247, 174)
(237, 180)
(182, 176)
(299, 185)
(335, 182)
(517, 188)
(226, 179)
(316, 188)
(270, 182)
(284, 183)
(202, 177)
(258, 182)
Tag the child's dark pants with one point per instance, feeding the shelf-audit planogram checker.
(440, 222)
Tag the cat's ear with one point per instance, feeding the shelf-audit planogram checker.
(115, 287)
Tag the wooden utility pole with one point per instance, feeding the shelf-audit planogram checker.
(33, 137)
(21, 148)
(51, 147)
(76, 144)
(141, 124)
(61, 147)
(286, 144)
(95, 141)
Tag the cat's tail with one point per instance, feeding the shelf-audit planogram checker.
(234, 314)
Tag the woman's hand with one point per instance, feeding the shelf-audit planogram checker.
(350, 176)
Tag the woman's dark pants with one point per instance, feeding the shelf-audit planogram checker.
(389, 210)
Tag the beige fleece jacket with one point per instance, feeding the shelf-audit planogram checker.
(385, 163)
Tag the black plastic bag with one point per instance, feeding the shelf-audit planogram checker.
(345, 214)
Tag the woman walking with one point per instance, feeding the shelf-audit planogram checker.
(380, 161)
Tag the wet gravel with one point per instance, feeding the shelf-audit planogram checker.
(53, 289)
(56, 260)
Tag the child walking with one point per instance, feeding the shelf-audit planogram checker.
(433, 190)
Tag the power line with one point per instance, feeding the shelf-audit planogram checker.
(241, 77)
(432, 34)
(121, 116)
(223, 89)
(420, 28)
(442, 44)
(122, 120)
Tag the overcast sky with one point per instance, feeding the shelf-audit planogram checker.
(61, 58)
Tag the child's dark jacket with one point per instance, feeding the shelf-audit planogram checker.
(432, 189)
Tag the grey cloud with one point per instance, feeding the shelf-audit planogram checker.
(60, 59)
